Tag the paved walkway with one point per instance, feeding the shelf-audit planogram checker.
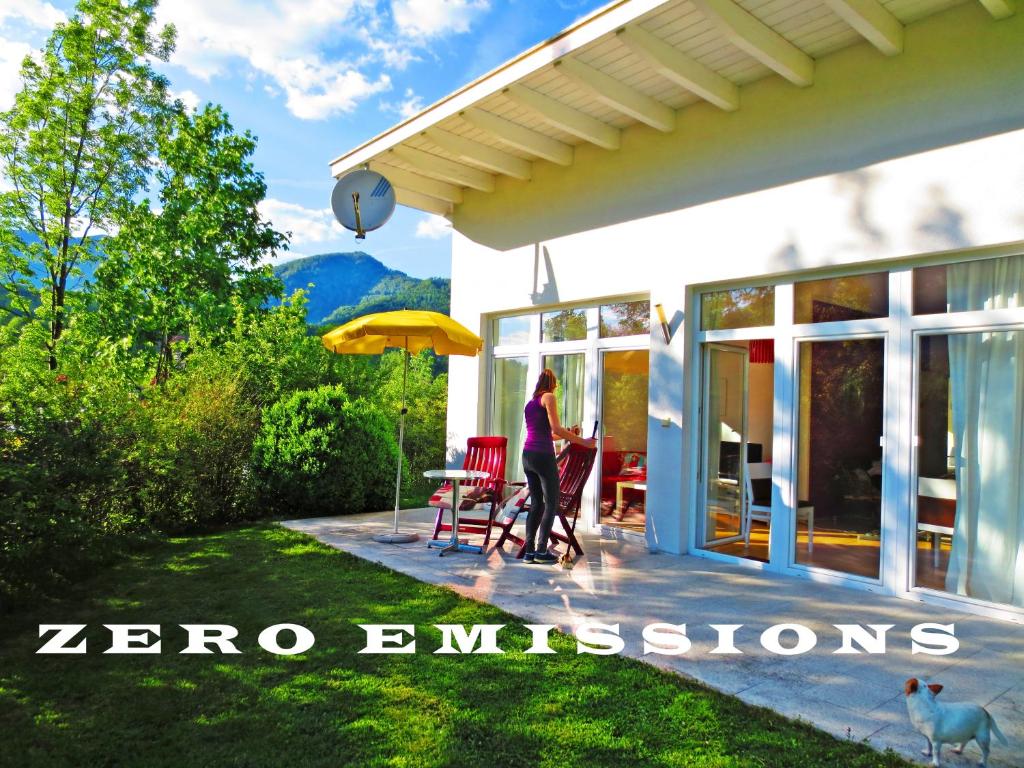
(858, 697)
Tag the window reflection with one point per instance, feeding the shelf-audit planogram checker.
(507, 405)
(856, 297)
(513, 330)
(738, 308)
(569, 392)
(628, 318)
(624, 438)
(566, 325)
(839, 471)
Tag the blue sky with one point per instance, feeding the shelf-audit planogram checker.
(313, 78)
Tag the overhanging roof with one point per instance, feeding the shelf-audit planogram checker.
(633, 61)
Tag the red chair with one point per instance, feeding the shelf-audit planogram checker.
(484, 454)
(574, 466)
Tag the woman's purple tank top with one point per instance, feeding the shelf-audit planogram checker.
(538, 428)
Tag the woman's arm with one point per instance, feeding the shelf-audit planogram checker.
(551, 406)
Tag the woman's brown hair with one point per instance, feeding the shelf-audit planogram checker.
(546, 382)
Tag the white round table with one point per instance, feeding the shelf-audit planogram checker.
(455, 476)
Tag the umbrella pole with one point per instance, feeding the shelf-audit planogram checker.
(395, 537)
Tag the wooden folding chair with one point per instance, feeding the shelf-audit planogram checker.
(486, 454)
(574, 466)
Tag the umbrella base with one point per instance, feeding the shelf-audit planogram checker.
(396, 538)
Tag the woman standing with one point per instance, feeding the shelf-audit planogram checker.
(542, 425)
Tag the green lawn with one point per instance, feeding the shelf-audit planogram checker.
(334, 707)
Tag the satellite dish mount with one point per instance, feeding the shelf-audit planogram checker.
(363, 201)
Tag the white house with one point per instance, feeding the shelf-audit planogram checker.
(776, 249)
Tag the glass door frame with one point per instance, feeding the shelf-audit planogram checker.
(592, 347)
(612, 344)
(901, 330)
(947, 325)
(704, 458)
(787, 336)
(885, 536)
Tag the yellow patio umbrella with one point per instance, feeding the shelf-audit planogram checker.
(411, 330)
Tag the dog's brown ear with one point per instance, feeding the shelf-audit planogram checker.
(935, 688)
(911, 686)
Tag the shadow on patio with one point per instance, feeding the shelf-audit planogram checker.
(619, 582)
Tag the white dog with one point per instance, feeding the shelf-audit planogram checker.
(948, 723)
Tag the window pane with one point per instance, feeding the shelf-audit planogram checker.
(513, 330)
(507, 409)
(566, 325)
(969, 286)
(624, 438)
(970, 483)
(738, 308)
(569, 392)
(628, 318)
(842, 298)
(839, 470)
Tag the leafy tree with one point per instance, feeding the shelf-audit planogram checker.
(427, 402)
(76, 148)
(177, 270)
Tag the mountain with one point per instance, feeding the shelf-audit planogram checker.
(80, 281)
(347, 285)
(76, 282)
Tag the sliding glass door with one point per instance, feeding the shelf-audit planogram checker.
(569, 370)
(970, 465)
(724, 443)
(508, 400)
(623, 431)
(839, 457)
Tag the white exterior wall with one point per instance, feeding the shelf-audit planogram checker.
(536, 244)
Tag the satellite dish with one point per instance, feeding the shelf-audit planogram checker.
(363, 201)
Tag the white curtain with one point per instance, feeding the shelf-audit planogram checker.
(987, 394)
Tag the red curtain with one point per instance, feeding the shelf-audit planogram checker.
(762, 351)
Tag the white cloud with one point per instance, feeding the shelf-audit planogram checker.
(433, 227)
(294, 43)
(34, 13)
(12, 53)
(36, 16)
(431, 18)
(190, 99)
(394, 54)
(407, 107)
(307, 225)
(282, 40)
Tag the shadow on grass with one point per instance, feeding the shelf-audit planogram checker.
(333, 706)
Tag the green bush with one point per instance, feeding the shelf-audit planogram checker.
(66, 480)
(321, 453)
(194, 453)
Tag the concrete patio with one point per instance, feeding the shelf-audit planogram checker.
(851, 696)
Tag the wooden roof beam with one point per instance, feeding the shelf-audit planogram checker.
(443, 168)
(422, 202)
(518, 136)
(414, 182)
(759, 40)
(489, 158)
(1000, 9)
(619, 96)
(565, 118)
(873, 22)
(676, 66)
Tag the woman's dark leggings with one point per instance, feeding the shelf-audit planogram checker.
(542, 478)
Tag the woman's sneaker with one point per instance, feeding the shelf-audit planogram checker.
(528, 557)
(545, 557)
